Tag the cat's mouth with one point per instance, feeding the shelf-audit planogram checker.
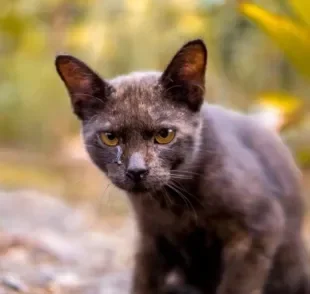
(151, 183)
(143, 187)
(133, 187)
(139, 188)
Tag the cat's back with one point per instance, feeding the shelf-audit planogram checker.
(250, 146)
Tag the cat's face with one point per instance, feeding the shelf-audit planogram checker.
(140, 138)
(142, 129)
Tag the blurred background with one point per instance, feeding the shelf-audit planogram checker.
(259, 62)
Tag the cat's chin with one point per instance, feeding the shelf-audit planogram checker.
(133, 188)
(141, 188)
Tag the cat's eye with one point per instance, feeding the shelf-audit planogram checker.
(164, 136)
(109, 139)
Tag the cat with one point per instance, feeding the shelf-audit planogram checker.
(217, 196)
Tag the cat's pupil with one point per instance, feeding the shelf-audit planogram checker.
(164, 133)
(110, 136)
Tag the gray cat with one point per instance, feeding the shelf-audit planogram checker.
(216, 196)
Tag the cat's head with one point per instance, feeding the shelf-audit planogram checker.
(142, 129)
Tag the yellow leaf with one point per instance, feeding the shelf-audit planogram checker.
(289, 107)
(302, 8)
(291, 37)
(286, 103)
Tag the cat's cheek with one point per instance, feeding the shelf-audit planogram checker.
(99, 163)
(177, 163)
(157, 181)
(113, 170)
(104, 158)
(119, 183)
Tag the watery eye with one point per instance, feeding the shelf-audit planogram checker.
(109, 139)
(164, 136)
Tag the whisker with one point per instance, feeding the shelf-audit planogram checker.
(180, 177)
(185, 199)
(102, 198)
(167, 196)
(89, 95)
(183, 171)
(172, 87)
(181, 188)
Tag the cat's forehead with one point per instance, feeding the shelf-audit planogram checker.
(136, 87)
(136, 78)
(138, 102)
(139, 95)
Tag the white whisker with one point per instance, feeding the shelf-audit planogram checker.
(176, 189)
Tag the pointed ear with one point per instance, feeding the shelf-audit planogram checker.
(86, 89)
(184, 77)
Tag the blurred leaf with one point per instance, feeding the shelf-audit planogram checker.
(302, 8)
(191, 23)
(12, 24)
(291, 37)
(290, 107)
(303, 157)
(286, 103)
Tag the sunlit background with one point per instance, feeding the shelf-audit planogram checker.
(259, 62)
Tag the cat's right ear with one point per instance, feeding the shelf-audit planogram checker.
(184, 77)
(86, 89)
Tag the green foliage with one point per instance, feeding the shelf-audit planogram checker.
(292, 36)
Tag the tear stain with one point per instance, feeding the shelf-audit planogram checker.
(119, 153)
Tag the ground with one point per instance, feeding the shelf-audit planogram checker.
(46, 246)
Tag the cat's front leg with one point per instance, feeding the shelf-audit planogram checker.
(148, 272)
(248, 257)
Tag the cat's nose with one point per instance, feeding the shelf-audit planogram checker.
(137, 174)
(136, 169)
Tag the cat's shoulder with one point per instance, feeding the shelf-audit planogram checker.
(231, 121)
(244, 134)
(240, 131)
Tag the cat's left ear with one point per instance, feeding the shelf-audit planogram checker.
(87, 90)
(184, 77)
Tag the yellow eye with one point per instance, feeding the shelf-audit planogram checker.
(165, 136)
(108, 139)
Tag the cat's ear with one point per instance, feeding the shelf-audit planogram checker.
(184, 77)
(86, 89)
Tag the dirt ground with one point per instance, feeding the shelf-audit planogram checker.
(46, 246)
